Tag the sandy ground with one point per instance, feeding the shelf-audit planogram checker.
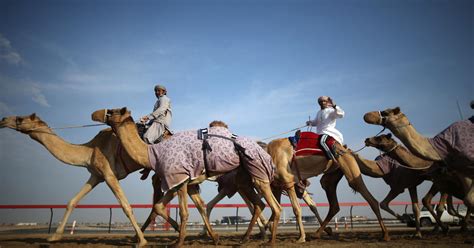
(401, 237)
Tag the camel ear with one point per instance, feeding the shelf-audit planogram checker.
(123, 110)
(396, 110)
(33, 116)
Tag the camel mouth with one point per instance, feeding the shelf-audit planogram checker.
(3, 122)
(372, 118)
(100, 116)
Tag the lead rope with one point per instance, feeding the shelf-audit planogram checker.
(292, 130)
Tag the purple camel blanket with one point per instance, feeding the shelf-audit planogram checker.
(457, 139)
(395, 175)
(180, 157)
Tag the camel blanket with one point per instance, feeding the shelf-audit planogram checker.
(395, 175)
(180, 157)
(227, 183)
(457, 139)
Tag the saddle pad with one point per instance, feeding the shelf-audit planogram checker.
(309, 144)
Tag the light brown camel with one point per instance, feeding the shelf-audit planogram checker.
(103, 156)
(453, 146)
(444, 180)
(281, 151)
(122, 123)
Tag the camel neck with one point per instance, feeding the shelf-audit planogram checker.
(369, 167)
(135, 147)
(66, 152)
(416, 143)
(403, 156)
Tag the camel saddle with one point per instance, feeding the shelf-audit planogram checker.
(310, 143)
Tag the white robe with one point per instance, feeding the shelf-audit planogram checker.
(160, 118)
(325, 122)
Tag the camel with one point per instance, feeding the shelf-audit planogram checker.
(398, 179)
(445, 181)
(453, 146)
(282, 153)
(123, 125)
(103, 157)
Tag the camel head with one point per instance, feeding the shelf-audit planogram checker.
(23, 124)
(110, 116)
(383, 142)
(387, 118)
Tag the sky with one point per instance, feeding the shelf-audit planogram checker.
(257, 65)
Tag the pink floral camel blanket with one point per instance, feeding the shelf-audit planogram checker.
(180, 157)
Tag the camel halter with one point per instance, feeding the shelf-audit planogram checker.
(383, 121)
(404, 166)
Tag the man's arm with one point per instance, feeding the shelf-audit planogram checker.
(164, 106)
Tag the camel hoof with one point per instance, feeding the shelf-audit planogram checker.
(271, 242)
(55, 237)
(244, 240)
(328, 230)
(142, 243)
(301, 240)
(317, 235)
(386, 238)
(216, 239)
(418, 235)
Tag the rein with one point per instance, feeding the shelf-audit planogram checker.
(292, 130)
(381, 131)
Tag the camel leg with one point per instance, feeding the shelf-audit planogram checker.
(297, 211)
(385, 203)
(265, 189)
(312, 206)
(465, 220)
(353, 175)
(210, 205)
(159, 208)
(193, 191)
(427, 204)
(250, 194)
(90, 184)
(451, 209)
(100, 162)
(416, 209)
(261, 221)
(183, 212)
(329, 184)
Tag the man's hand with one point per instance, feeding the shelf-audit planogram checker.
(331, 101)
(144, 119)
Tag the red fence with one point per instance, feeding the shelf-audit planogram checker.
(176, 206)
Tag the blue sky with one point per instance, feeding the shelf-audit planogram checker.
(257, 65)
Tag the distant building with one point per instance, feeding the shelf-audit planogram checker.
(232, 220)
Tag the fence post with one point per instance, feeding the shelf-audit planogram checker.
(50, 219)
(110, 218)
(352, 224)
(237, 219)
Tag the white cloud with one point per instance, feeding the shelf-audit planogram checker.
(19, 88)
(37, 96)
(8, 53)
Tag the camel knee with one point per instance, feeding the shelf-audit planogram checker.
(384, 205)
(160, 209)
(426, 201)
